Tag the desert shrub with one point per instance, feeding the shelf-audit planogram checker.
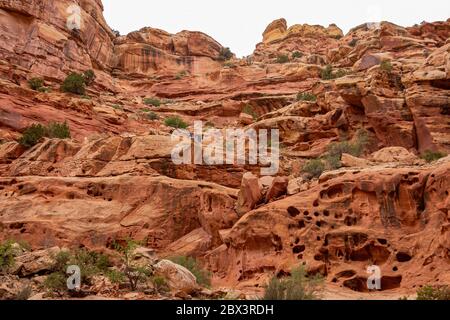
(135, 274)
(160, 284)
(58, 130)
(431, 156)
(74, 83)
(314, 168)
(116, 32)
(176, 122)
(298, 286)
(282, 58)
(225, 54)
(297, 54)
(386, 66)
(36, 83)
(203, 276)
(32, 135)
(355, 148)
(306, 96)
(229, 64)
(56, 283)
(248, 109)
(90, 263)
(89, 77)
(6, 256)
(328, 74)
(152, 102)
(152, 116)
(434, 293)
(24, 294)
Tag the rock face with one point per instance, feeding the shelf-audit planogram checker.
(383, 101)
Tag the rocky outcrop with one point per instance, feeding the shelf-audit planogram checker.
(114, 179)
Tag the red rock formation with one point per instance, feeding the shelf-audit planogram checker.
(115, 178)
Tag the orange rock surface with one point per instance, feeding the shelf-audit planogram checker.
(114, 179)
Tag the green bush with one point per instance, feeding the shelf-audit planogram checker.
(355, 148)
(36, 83)
(117, 107)
(298, 286)
(434, 293)
(386, 66)
(6, 256)
(58, 130)
(282, 58)
(152, 102)
(32, 135)
(152, 116)
(225, 54)
(306, 96)
(36, 132)
(328, 74)
(90, 264)
(431, 156)
(297, 54)
(160, 284)
(89, 77)
(314, 168)
(176, 122)
(248, 109)
(203, 276)
(74, 83)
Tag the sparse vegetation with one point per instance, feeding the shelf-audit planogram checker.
(225, 54)
(306, 96)
(74, 83)
(6, 256)
(434, 293)
(152, 116)
(314, 168)
(160, 284)
(89, 77)
(152, 102)
(355, 148)
(176, 122)
(297, 54)
(24, 294)
(135, 274)
(36, 83)
(431, 156)
(90, 263)
(298, 286)
(386, 66)
(328, 74)
(282, 58)
(248, 109)
(36, 132)
(203, 276)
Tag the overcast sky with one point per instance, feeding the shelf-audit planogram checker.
(239, 24)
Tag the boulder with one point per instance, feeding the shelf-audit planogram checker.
(250, 194)
(178, 277)
(36, 262)
(350, 161)
(277, 189)
(394, 154)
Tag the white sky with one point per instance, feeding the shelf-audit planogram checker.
(239, 24)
